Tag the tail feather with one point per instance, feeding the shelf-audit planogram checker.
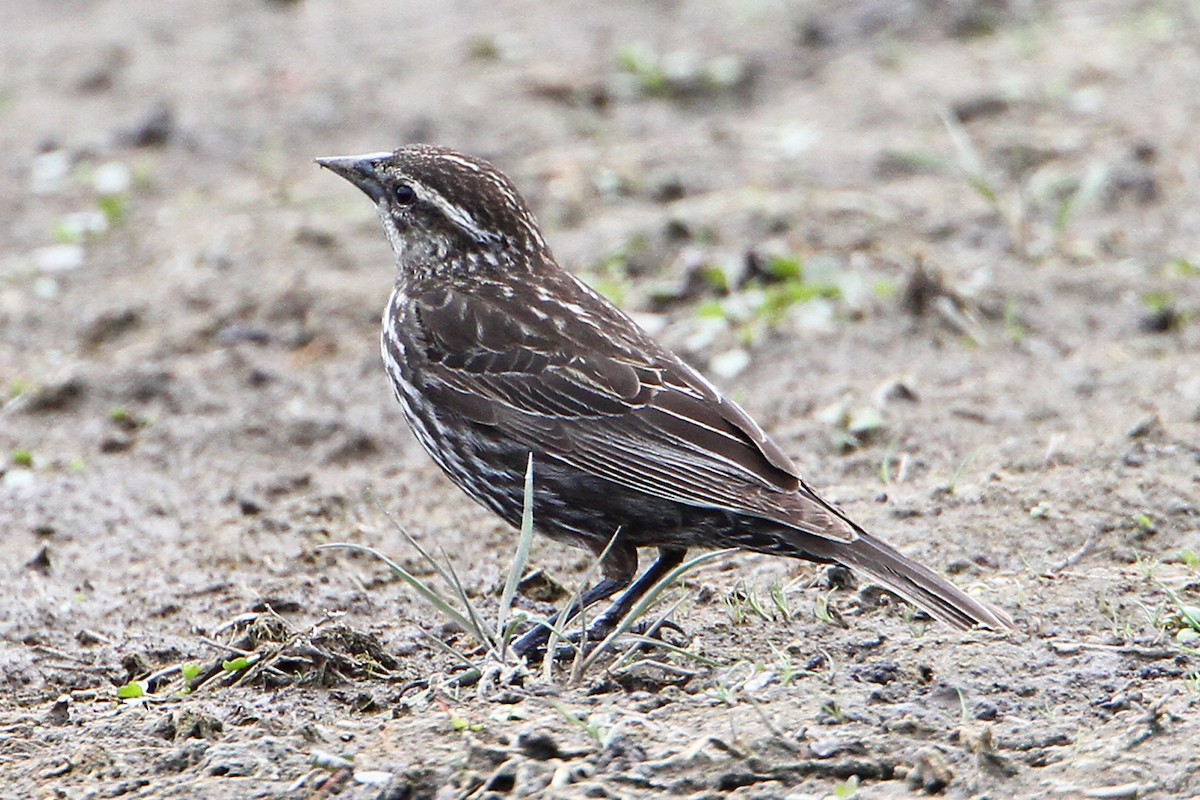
(918, 584)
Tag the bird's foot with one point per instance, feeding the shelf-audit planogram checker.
(493, 679)
(532, 645)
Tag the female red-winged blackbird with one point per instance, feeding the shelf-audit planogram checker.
(496, 352)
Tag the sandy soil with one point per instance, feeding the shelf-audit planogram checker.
(997, 201)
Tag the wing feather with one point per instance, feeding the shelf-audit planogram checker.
(629, 412)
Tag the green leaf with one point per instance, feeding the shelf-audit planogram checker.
(786, 269)
(113, 207)
(240, 663)
(132, 690)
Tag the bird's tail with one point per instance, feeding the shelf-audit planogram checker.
(917, 584)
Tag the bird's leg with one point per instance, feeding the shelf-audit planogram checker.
(619, 563)
(668, 559)
(534, 640)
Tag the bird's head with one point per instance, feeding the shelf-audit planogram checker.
(445, 213)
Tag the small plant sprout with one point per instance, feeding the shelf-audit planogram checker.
(785, 667)
(744, 601)
(132, 691)
(893, 467)
(460, 724)
(847, 789)
(779, 598)
(1083, 195)
(952, 486)
(595, 730)
(831, 709)
(1180, 268)
(241, 663)
(824, 610)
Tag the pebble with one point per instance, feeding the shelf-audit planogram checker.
(154, 128)
(1125, 791)
(83, 223)
(729, 363)
(59, 257)
(930, 771)
(61, 396)
(539, 745)
(112, 178)
(109, 325)
(828, 748)
(49, 171)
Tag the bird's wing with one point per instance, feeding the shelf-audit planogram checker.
(600, 395)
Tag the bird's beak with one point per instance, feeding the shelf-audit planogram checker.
(359, 170)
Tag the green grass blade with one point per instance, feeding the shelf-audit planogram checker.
(432, 596)
(576, 597)
(517, 569)
(647, 641)
(479, 627)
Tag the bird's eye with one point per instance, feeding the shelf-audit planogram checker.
(404, 194)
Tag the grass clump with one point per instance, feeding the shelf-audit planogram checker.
(495, 637)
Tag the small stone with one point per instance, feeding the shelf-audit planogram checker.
(899, 387)
(838, 577)
(881, 674)
(40, 562)
(88, 638)
(145, 383)
(116, 442)
(539, 745)
(540, 587)
(59, 257)
(730, 363)
(1125, 791)
(828, 748)
(354, 446)
(134, 664)
(60, 712)
(98, 71)
(62, 396)
(250, 506)
(979, 106)
(154, 128)
(1145, 427)
(49, 172)
(237, 334)
(930, 771)
(111, 178)
(190, 725)
(109, 325)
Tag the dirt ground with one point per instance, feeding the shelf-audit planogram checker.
(991, 356)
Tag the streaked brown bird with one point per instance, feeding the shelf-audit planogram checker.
(496, 352)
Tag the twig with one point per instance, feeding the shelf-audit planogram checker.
(1089, 544)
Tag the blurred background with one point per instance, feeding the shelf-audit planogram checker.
(945, 250)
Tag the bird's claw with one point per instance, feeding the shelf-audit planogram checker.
(531, 647)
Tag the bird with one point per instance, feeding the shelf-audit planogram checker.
(497, 354)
